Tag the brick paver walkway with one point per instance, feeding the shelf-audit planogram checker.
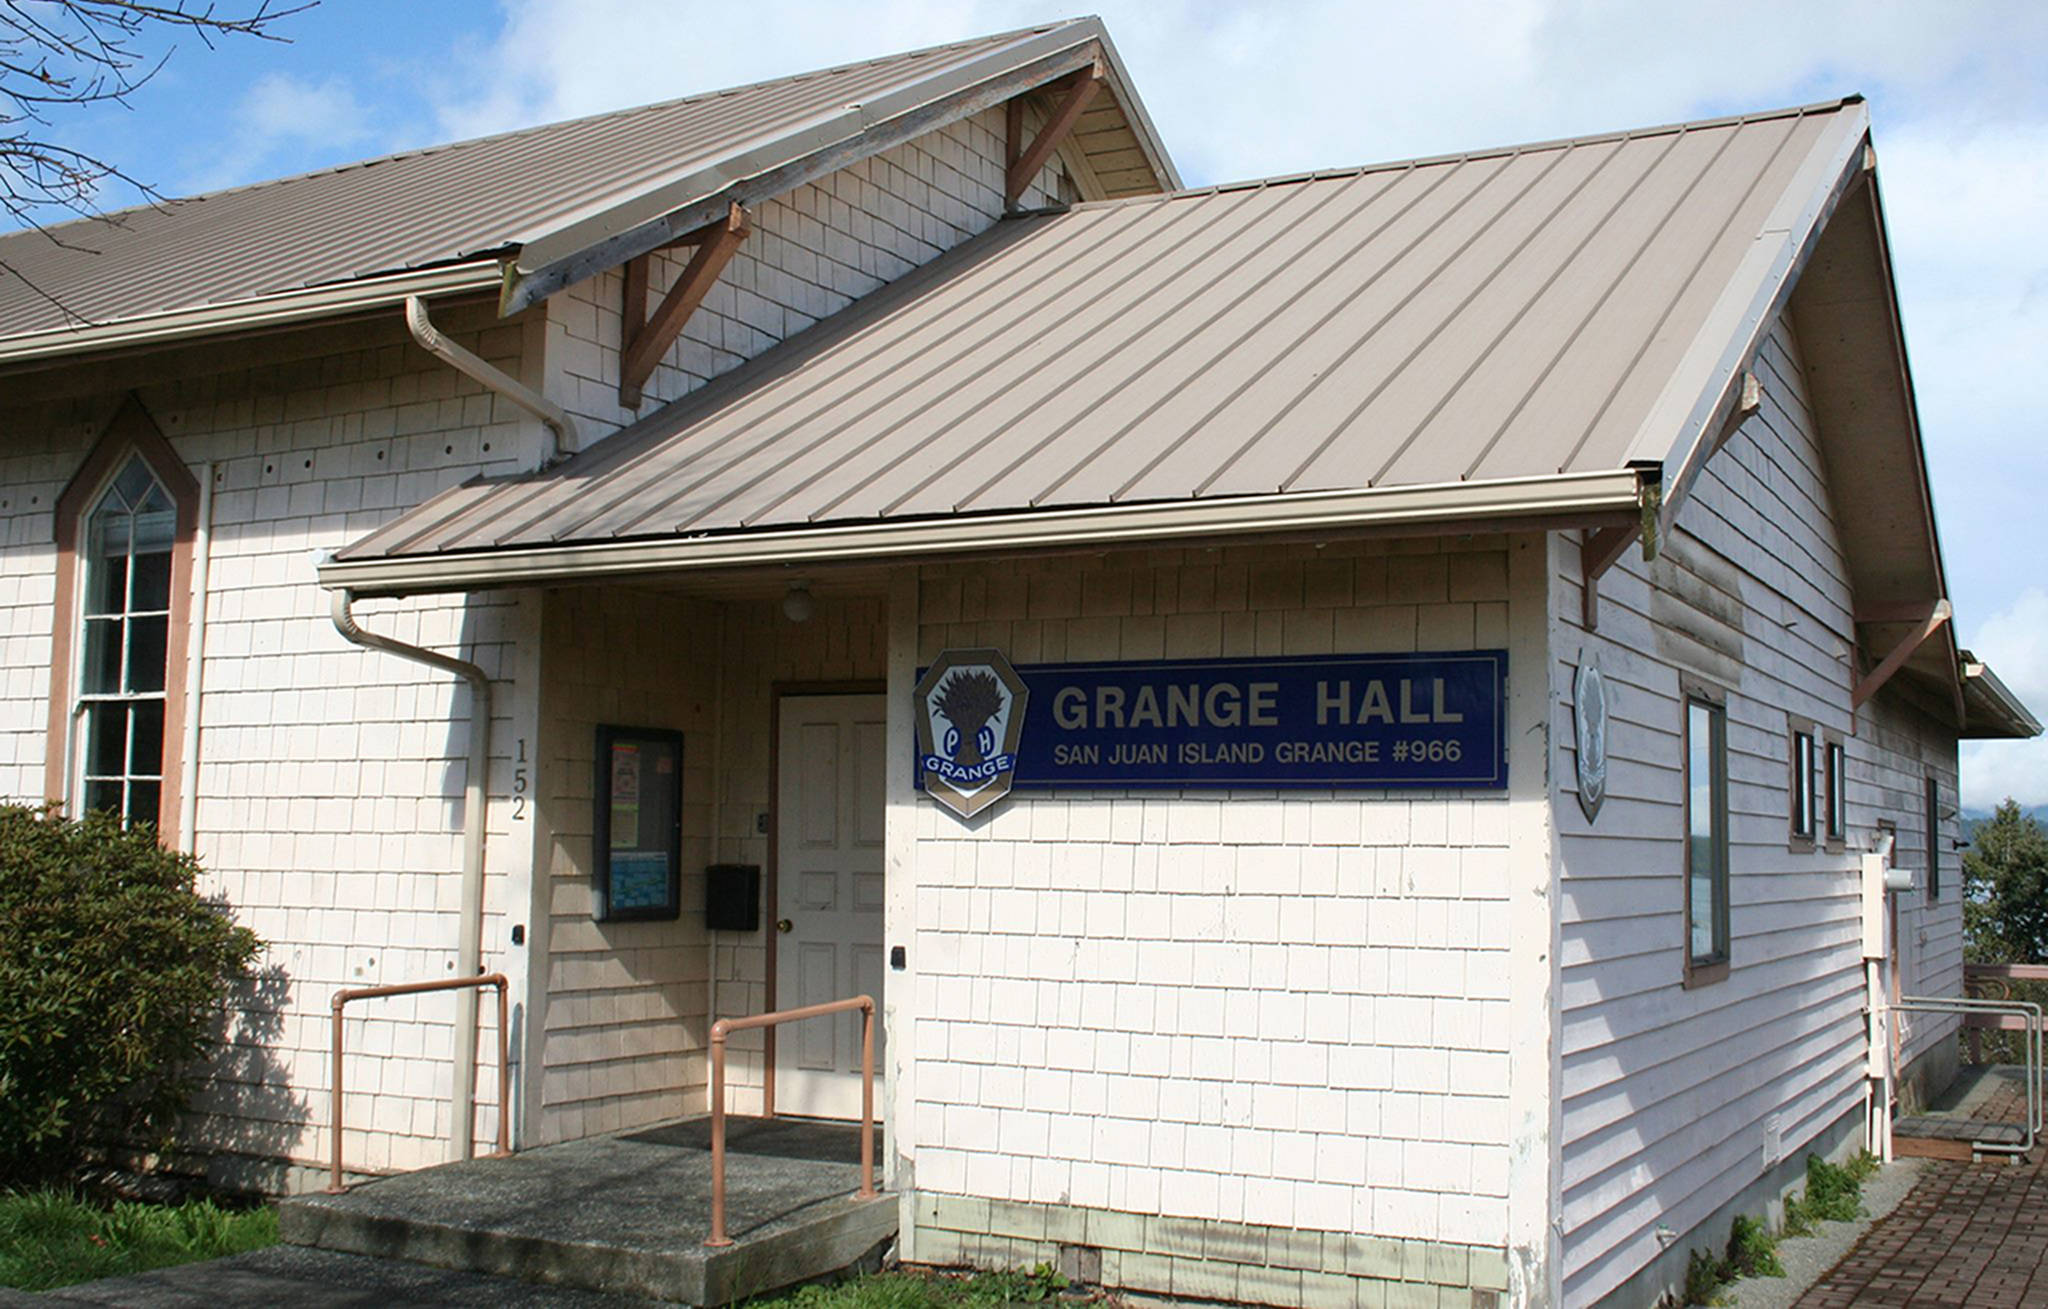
(1968, 1234)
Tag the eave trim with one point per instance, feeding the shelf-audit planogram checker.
(1498, 503)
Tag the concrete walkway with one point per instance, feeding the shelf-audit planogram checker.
(1969, 1234)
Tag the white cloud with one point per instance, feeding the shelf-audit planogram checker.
(2015, 643)
(278, 114)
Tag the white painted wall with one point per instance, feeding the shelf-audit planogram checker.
(1667, 1091)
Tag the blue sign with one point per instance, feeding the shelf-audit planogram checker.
(1378, 721)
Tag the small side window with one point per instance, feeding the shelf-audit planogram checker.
(1804, 805)
(1837, 798)
(1932, 824)
(1706, 845)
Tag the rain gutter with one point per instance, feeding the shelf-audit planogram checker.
(469, 934)
(1486, 505)
(257, 312)
(493, 378)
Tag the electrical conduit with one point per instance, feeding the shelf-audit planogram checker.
(469, 947)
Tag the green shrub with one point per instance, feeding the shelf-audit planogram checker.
(1834, 1191)
(1752, 1250)
(114, 973)
(1705, 1274)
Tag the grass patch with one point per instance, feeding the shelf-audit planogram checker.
(50, 1239)
(902, 1289)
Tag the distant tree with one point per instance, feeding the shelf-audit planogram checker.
(61, 56)
(2005, 876)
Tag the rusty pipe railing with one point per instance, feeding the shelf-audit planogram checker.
(725, 1027)
(343, 998)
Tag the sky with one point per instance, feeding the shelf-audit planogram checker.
(1958, 97)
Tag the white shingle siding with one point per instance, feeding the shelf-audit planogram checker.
(1280, 1008)
(810, 253)
(1666, 1091)
(625, 1015)
(330, 786)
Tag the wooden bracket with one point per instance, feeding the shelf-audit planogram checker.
(1598, 552)
(1747, 401)
(1025, 162)
(646, 338)
(1931, 619)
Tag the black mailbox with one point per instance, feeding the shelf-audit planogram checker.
(732, 897)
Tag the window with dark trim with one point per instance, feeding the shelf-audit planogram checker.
(124, 528)
(1933, 825)
(126, 621)
(1837, 770)
(1706, 839)
(1804, 804)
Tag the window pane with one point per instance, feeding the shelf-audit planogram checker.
(103, 795)
(1838, 808)
(147, 757)
(146, 642)
(143, 799)
(1933, 826)
(1706, 831)
(134, 482)
(1802, 784)
(154, 531)
(106, 586)
(109, 532)
(152, 582)
(106, 740)
(102, 656)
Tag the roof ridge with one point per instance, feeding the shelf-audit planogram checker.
(1467, 156)
(994, 39)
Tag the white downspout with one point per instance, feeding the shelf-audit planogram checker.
(195, 669)
(469, 947)
(430, 339)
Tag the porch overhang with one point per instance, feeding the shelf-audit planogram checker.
(1530, 503)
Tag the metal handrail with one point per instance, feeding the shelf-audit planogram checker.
(497, 980)
(724, 1027)
(2025, 1010)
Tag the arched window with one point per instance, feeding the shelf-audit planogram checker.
(117, 663)
(129, 534)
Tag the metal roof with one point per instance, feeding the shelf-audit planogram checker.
(1455, 322)
(558, 188)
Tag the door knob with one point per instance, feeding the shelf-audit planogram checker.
(783, 924)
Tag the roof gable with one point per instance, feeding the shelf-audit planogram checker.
(1471, 320)
(543, 196)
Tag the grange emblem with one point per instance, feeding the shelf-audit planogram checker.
(970, 717)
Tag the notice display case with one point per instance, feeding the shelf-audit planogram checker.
(638, 835)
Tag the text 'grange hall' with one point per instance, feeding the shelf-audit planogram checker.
(1339, 718)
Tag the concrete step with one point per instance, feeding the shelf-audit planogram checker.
(622, 1215)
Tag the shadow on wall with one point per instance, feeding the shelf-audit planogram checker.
(246, 1123)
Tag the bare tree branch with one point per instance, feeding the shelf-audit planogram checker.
(65, 56)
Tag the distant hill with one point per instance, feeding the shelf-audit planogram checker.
(1975, 818)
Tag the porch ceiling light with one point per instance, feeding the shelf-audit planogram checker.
(798, 606)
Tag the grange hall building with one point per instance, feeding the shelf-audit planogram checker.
(1339, 716)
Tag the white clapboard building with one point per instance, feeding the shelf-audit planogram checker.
(1339, 716)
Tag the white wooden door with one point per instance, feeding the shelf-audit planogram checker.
(828, 912)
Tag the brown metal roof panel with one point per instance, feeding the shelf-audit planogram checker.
(1072, 362)
(1368, 407)
(1685, 268)
(1396, 260)
(1209, 340)
(979, 327)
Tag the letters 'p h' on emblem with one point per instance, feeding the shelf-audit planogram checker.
(970, 717)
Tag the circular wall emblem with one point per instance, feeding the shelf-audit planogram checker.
(1589, 716)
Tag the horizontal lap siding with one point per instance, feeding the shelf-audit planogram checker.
(1261, 1007)
(1667, 1091)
